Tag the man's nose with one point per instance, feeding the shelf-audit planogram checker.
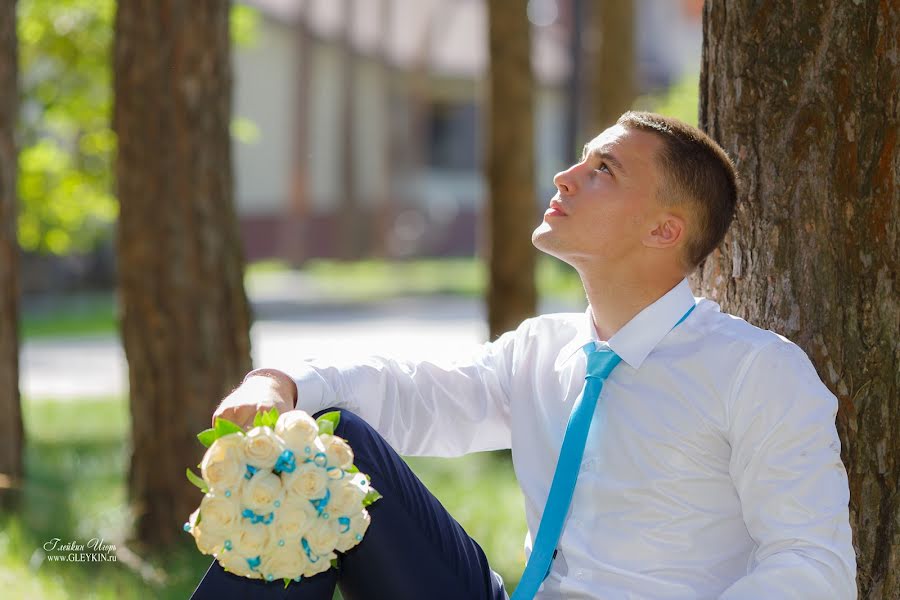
(565, 181)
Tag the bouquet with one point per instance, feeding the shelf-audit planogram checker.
(280, 499)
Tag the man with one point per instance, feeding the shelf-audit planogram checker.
(712, 465)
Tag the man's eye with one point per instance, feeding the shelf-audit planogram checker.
(603, 167)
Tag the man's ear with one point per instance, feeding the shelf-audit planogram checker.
(668, 231)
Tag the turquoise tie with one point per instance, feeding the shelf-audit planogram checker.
(600, 364)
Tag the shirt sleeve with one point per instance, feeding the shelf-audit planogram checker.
(787, 470)
(422, 408)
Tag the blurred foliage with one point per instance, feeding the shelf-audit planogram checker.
(681, 100)
(67, 201)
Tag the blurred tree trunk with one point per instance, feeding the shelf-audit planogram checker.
(353, 240)
(11, 433)
(609, 56)
(185, 318)
(805, 98)
(511, 206)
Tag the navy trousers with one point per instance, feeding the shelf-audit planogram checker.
(412, 550)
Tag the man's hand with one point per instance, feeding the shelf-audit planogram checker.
(262, 390)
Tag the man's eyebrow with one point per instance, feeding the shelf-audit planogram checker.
(610, 158)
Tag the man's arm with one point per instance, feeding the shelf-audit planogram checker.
(261, 390)
(422, 408)
(787, 470)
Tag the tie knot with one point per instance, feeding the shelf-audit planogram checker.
(600, 363)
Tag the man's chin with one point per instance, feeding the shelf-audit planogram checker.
(544, 240)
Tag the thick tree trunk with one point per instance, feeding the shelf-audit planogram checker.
(610, 61)
(511, 208)
(185, 318)
(11, 435)
(804, 96)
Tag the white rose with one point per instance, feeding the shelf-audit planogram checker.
(285, 561)
(261, 492)
(262, 447)
(252, 539)
(207, 543)
(316, 564)
(347, 495)
(293, 519)
(354, 533)
(323, 536)
(306, 482)
(223, 465)
(236, 562)
(338, 451)
(219, 515)
(297, 429)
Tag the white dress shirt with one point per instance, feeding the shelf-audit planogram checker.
(712, 467)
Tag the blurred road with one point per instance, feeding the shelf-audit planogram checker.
(286, 331)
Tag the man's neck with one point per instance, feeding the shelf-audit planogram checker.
(615, 300)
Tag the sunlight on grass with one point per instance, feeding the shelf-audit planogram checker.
(75, 489)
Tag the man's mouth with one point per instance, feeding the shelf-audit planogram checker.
(555, 210)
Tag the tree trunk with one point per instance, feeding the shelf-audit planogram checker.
(185, 318)
(11, 434)
(609, 56)
(511, 208)
(804, 96)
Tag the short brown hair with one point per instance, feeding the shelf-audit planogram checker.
(694, 169)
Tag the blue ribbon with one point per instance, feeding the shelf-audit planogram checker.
(286, 462)
(309, 553)
(320, 503)
(251, 471)
(255, 518)
(345, 524)
(253, 563)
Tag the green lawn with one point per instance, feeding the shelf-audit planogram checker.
(76, 461)
(367, 280)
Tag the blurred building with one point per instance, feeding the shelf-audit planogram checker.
(363, 121)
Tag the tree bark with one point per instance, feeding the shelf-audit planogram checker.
(11, 431)
(609, 50)
(511, 207)
(185, 317)
(804, 96)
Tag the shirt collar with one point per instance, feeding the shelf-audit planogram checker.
(637, 338)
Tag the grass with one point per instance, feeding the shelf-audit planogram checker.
(75, 489)
(366, 280)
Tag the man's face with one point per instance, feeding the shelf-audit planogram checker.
(606, 204)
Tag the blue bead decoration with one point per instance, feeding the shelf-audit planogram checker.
(320, 459)
(297, 578)
(281, 542)
(277, 503)
(228, 544)
(253, 563)
(228, 493)
(269, 577)
(307, 450)
(358, 538)
(324, 515)
(187, 526)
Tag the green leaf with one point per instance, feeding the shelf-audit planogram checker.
(193, 478)
(371, 497)
(258, 420)
(287, 582)
(328, 422)
(352, 469)
(224, 427)
(199, 518)
(334, 563)
(207, 437)
(269, 418)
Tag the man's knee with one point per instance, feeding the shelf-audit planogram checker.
(351, 426)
